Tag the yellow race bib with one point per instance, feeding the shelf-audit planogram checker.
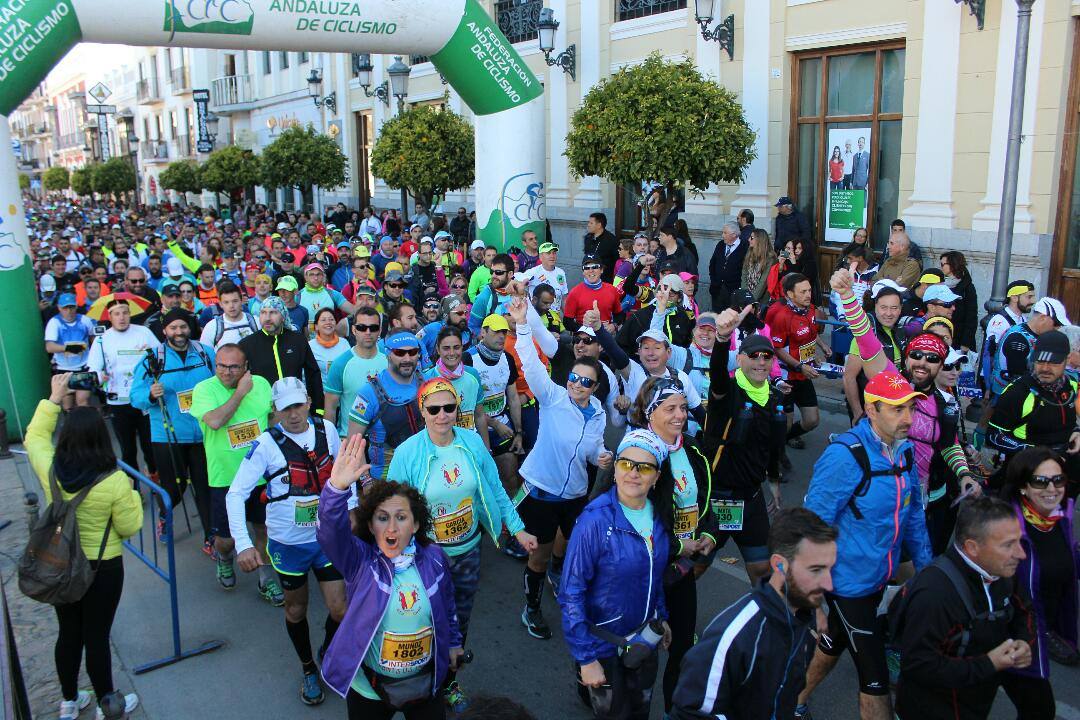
(183, 399)
(455, 526)
(686, 520)
(242, 434)
(404, 651)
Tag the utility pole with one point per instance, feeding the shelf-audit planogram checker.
(1003, 253)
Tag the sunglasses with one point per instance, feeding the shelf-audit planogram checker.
(499, 273)
(930, 357)
(943, 303)
(457, 287)
(360, 266)
(759, 354)
(583, 340)
(448, 408)
(951, 366)
(1041, 482)
(592, 267)
(645, 469)
(397, 286)
(585, 382)
(432, 306)
(367, 328)
(405, 352)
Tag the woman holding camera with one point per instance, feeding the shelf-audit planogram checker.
(399, 637)
(83, 463)
(612, 586)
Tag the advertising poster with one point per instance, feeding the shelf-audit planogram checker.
(847, 182)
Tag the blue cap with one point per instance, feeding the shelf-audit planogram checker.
(401, 339)
(67, 300)
(384, 238)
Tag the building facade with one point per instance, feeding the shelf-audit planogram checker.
(865, 112)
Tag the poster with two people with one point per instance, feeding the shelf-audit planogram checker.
(848, 171)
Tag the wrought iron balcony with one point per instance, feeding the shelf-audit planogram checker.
(631, 9)
(146, 91)
(231, 93)
(155, 150)
(518, 18)
(180, 79)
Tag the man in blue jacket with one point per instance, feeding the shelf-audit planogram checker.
(867, 486)
(162, 384)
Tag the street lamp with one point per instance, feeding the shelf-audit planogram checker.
(724, 33)
(212, 123)
(399, 87)
(567, 59)
(314, 83)
(363, 68)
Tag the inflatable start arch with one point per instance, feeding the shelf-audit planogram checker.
(462, 40)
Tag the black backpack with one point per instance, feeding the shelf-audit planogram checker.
(858, 451)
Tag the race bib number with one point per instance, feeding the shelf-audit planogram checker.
(808, 351)
(686, 521)
(455, 526)
(184, 400)
(243, 434)
(405, 651)
(466, 420)
(306, 512)
(495, 404)
(729, 514)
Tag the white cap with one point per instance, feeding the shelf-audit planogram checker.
(283, 226)
(1052, 307)
(886, 283)
(48, 283)
(288, 391)
(586, 330)
(955, 356)
(657, 335)
(674, 282)
(477, 245)
(173, 267)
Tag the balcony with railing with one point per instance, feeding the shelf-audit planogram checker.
(633, 9)
(180, 79)
(146, 91)
(71, 140)
(41, 128)
(154, 150)
(232, 93)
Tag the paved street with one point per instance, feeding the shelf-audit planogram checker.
(255, 675)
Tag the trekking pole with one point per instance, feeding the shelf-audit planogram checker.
(170, 433)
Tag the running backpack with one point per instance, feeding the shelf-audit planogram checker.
(858, 451)
(219, 331)
(53, 568)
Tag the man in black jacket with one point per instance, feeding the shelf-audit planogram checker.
(745, 218)
(790, 224)
(279, 350)
(751, 660)
(964, 621)
(725, 267)
(601, 242)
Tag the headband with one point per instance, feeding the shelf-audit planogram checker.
(928, 342)
(662, 390)
(648, 441)
(402, 339)
(1019, 287)
(939, 320)
(436, 385)
(277, 305)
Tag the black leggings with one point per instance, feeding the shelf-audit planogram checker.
(130, 425)
(681, 601)
(361, 708)
(191, 458)
(87, 624)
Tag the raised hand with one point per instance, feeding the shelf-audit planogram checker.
(517, 310)
(841, 282)
(351, 463)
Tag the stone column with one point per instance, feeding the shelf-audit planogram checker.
(754, 41)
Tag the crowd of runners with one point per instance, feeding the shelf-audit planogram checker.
(369, 403)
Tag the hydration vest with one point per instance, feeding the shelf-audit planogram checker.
(305, 472)
(400, 422)
(862, 458)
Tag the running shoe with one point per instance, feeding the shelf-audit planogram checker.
(784, 462)
(797, 443)
(272, 593)
(131, 701)
(513, 549)
(533, 620)
(456, 701)
(70, 709)
(1060, 650)
(226, 575)
(310, 690)
(161, 532)
(208, 549)
(802, 712)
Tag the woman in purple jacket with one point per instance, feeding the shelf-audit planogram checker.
(400, 635)
(1035, 485)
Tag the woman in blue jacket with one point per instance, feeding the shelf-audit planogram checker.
(399, 637)
(458, 479)
(612, 589)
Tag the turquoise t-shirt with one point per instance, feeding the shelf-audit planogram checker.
(686, 495)
(471, 391)
(642, 521)
(315, 301)
(365, 410)
(348, 373)
(406, 637)
(451, 487)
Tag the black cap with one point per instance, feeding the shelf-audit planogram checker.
(589, 259)
(288, 257)
(174, 315)
(1051, 347)
(740, 298)
(756, 343)
(784, 200)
